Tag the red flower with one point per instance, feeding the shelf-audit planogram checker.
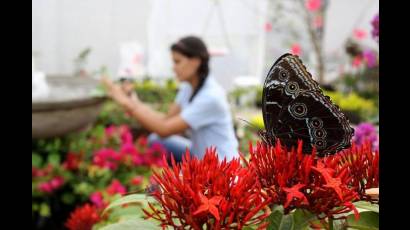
(45, 187)
(72, 161)
(268, 27)
(137, 180)
(97, 199)
(142, 141)
(294, 193)
(207, 192)
(106, 158)
(116, 187)
(83, 218)
(209, 205)
(359, 34)
(313, 5)
(284, 173)
(363, 166)
(357, 61)
(36, 172)
(296, 50)
(154, 154)
(51, 185)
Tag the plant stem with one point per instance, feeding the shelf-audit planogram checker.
(330, 223)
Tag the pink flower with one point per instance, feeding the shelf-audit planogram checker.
(313, 5)
(34, 171)
(45, 187)
(125, 133)
(56, 182)
(97, 199)
(370, 58)
(116, 187)
(296, 50)
(268, 27)
(357, 61)
(137, 180)
(50, 186)
(129, 151)
(72, 161)
(106, 158)
(359, 34)
(109, 131)
(142, 141)
(128, 148)
(154, 155)
(375, 25)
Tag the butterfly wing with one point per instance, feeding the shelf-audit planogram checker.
(285, 80)
(294, 107)
(313, 118)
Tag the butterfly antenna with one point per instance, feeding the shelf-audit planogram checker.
(249, 124)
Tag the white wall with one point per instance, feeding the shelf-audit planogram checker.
(62, 28)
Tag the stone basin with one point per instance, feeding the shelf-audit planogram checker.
(69, 107)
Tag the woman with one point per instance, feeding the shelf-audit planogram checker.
(200, 107)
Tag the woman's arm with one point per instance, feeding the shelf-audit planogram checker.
(156, 122)
(163, 125)
(174, 109)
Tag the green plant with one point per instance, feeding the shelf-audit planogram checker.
(352, 102)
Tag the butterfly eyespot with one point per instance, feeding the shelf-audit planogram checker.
(292, 88)
(320, 144)
(283, 75)
(298, 110)
(320, 133)
(316, 123)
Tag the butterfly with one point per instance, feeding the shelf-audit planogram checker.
(295, 108)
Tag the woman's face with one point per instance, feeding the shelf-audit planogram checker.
(184, 67)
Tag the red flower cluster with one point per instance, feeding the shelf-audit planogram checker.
(72, 161)
(130, 153)
(97, 197)
(51, 185)
(116, 187)
(208, 192)
(38, 172)
(324, 186)
(363, 166)
(83, 218)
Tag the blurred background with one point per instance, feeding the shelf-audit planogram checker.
(245, 36)
(74, 42)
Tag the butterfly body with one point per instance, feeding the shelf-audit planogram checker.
(294, 108)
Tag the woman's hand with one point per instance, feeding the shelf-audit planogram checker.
(116, 92)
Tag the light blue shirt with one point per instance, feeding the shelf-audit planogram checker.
(209, 118)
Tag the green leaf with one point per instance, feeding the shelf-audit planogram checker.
(68, 198)
(34, 206)
(132, 224)
(367, 206)
(279, 221)
(83, 188)
(54, 159)
(140, 199)
(36, 160)
(44, 210)
(126, 213)
(367, 221)
(302, 219)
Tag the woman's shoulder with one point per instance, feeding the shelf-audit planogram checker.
(214, 89)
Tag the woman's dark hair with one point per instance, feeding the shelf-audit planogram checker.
(192, 47)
